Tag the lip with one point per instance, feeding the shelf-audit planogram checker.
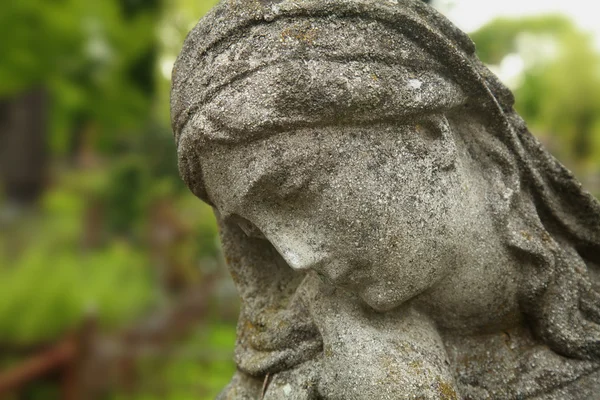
(344, 275)
(380, 298)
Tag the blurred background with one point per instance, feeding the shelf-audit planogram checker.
(112, 285)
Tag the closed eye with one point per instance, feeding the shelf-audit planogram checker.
(285, 183)
(290, 184)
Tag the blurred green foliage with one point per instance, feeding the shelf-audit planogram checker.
(201, 371)
(87, 55)
(559, 91)
(499, 38)
(112, 283)
(49, 283)
(116, 231)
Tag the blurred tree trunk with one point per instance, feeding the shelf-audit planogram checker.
(23, 152)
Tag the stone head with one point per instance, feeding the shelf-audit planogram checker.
(364, 140)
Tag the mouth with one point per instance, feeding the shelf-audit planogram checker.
(345, 275)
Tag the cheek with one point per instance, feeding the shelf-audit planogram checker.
(409, 271)
(381, 208)
(425, 202)
(419, 239)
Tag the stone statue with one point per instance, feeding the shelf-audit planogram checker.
(393, 229)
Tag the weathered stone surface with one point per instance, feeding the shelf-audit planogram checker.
(394, 230)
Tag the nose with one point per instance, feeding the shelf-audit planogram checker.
(296, 251)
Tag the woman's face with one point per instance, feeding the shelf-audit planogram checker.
(386, 210)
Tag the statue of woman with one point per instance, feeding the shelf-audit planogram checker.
(393, 228)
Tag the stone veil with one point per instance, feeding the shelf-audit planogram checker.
(392, 227)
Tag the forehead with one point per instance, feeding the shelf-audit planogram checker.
(232, 163)
(230, 169)
(343, 152)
